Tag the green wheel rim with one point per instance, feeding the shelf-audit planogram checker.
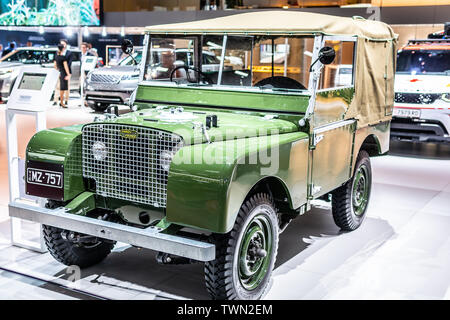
(255, 252)
(360, 192)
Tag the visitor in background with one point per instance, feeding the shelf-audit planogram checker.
(68, 54)
(29, 44)
(92, 50)
(85, 50)
(62, 65)
(11, 47)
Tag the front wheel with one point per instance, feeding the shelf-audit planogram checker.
(71, 248)
(245, 256)
(350, 201)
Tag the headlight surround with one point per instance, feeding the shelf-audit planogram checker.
(446, 97)
(165, 158)
(99, 151)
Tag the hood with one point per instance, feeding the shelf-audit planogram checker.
(431, 83)
(187, 123)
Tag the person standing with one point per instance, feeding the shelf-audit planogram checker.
(85, 50)
(62, 66)
(68, 54)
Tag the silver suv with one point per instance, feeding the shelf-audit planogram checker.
(11, 63)
(112, 84)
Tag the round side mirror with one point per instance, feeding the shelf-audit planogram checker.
(127, 46)
(327, 55)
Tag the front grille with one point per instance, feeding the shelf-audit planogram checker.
(105, 78)
(132, 167)
(417, 98)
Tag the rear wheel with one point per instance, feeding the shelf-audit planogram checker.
(75, 249)
(245, 256)
(350, 201)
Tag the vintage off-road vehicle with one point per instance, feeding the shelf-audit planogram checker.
(212, 166)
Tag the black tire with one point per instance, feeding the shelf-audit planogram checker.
(69, 253)
(350, 201)
(223, 276)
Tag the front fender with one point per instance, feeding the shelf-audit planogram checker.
(60, 146)
(208, 182)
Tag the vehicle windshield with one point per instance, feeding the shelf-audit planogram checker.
(31, 56)
(244, 61)
(128, 61)
(423, 61)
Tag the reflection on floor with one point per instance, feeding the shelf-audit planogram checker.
(402, 251)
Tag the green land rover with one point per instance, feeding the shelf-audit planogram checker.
(211, 166)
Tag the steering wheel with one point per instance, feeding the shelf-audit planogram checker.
(188, 77)
(280, 82)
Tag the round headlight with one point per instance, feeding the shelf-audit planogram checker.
(99, 151)
(165, 159)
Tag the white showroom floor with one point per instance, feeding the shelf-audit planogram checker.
(402, 251)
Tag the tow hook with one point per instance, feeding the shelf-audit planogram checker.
(166, 258)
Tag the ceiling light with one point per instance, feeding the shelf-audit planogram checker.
(68, 32)
(86, 32)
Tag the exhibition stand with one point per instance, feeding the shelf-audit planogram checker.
(88, 63)
(30, 96)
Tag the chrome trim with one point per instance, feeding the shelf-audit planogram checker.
(150, 238)
(133, 168)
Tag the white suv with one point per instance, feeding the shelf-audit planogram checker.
(422, 92)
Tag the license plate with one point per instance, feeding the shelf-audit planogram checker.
(44, 177)
(45, 180)
(406, 113)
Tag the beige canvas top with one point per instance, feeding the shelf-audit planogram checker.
(282, 22)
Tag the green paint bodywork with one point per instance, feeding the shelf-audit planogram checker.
(208, 196)
(283, 101)
(60, 146)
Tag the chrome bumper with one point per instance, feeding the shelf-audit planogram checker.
(150, 238)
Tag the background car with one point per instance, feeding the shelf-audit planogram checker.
(422, 92)
(344, 75)
(112, 84)
(11, 64)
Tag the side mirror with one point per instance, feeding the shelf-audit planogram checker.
(127, 46)
(327, 55)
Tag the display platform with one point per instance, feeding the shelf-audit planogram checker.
(402, 251)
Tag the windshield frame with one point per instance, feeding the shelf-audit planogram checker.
(198, 51)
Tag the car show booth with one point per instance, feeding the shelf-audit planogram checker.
(229, 155)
